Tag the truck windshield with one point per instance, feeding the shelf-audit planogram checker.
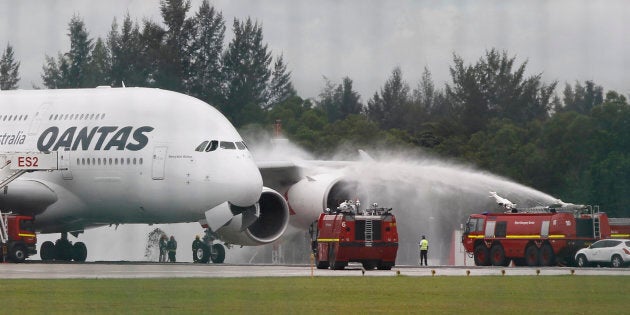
(27, 225)
(474, 225)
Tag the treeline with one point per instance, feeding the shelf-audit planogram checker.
(574, 144)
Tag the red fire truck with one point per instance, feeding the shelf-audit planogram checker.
(538, 237)
(351, 235)
(17, 236)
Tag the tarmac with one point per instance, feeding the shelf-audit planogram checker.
(131, 270)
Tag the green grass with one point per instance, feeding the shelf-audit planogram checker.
(299, 295)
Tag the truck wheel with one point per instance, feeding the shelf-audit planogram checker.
(497, 255)
(320, 264)
(582, 261)
(547, 257)
(616, 261)
(47, 251)
(531, 256)
(202, 254)
(79, 252)
(385, 266)
(482, 255)
(218, 254)
(368, 265)
(18, 254)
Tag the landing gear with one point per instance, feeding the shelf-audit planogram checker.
(207, 251)
(63, 250)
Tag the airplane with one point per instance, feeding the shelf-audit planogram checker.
(144, 155)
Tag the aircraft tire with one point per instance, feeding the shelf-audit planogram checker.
(218, 254)
(47, 251)
(202, 254)
(79, 252)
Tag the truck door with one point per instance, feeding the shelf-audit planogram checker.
(490, 229)
(544, 229)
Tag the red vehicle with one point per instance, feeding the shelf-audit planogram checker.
(17, 236)
(543, 238)
(349, 235)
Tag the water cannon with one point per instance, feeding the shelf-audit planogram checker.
(508, 205)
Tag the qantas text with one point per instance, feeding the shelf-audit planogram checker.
(105, 138)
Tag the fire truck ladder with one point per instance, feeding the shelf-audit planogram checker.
(4, 235)
(597, 233)
(368, 232)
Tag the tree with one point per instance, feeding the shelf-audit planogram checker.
(173, 63)
(246, 72)
(9, 70)
(390, 107)
(495, 88)
(338, 102)
(204, 77)
(129, 61)
(280, 87)
(582, 99)
(72, 68)
(99, 71)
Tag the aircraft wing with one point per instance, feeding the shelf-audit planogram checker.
(277, 174)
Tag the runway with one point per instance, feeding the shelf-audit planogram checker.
(130, 270)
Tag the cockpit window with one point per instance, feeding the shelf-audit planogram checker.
(228, 145)
(202, 146)
(213, 146)
(240, 145)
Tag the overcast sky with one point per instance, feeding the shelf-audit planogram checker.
(364, 40)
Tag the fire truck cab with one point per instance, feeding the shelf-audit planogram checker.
(348, 234)
(17, 236)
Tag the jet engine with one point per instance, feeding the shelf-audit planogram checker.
(258, 224)
(313, 194)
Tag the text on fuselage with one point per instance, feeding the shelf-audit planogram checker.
(103, 138)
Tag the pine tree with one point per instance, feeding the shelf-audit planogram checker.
(246, 71)
(9, 70)
(280, 86)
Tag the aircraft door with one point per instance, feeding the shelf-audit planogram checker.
(159, 158)
(64, 164)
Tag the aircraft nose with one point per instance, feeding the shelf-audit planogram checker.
(248, 183)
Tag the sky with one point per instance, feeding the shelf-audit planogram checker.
(566, 41)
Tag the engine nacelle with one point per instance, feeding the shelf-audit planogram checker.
(258, 224)
(312, 195)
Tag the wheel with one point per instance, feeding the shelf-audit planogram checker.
(218, 254)
(368, 265)
(482, 255)
(64, 250)
(385, 266)
(332, 260)
(547, 257)
(320, 264)
(497, 255)
(47, 251)
(531, 256)
(616, 261)
(79, 252)
(18, 254)
(202, 254)
(582, 261)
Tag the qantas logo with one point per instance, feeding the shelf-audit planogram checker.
(102, 138)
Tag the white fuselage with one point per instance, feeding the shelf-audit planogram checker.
(129, 155)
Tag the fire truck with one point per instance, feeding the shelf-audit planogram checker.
(17, 236)
(543, 236)
(348, 234)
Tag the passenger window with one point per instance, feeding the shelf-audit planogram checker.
(213, 146)
(240, 145)
(202, 146)
(228, 145)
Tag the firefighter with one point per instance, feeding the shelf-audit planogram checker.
(163, 243)
(171, 246)
(197, 244)
(424, 248)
